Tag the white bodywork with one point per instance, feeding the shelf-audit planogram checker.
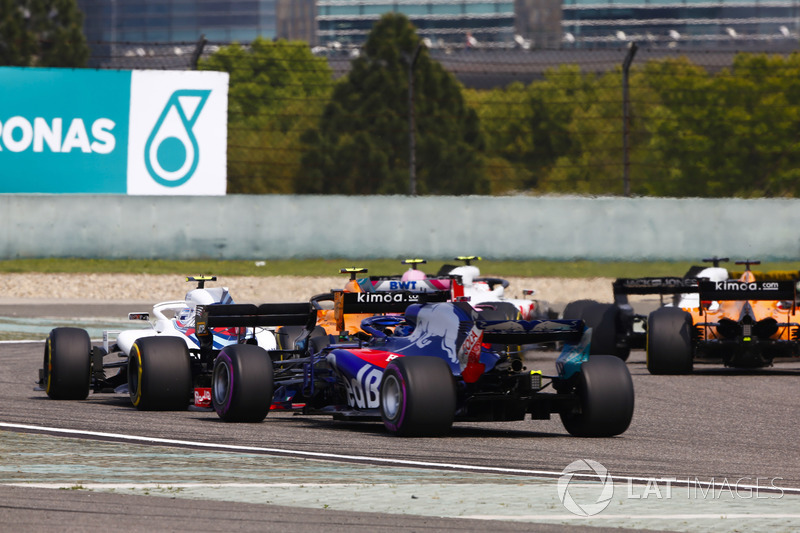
(480, 292)
(692, 299)
(174, 318)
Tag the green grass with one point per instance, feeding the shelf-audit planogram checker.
(378, 267)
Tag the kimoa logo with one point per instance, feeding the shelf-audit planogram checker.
(589, 469)
(171, 153)
(18, 134)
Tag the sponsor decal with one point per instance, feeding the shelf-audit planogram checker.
(385, 297)
(469, 356)
(113, 131)
(171, 151)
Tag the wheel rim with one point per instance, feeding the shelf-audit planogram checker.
(221, 383)
(135, 375)
(391, 397)
(48, 365)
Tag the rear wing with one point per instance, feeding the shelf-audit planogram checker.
(375, 303)
(666, 285)
(510, 332)
(392, 285)
(252, 316)
(743, 290)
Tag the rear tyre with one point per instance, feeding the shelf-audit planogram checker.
(418, 397)
(67, 364)
(605, 392)
(574, 310)
(604, 320)
(669, 341)
(160, 374)
(242, 383)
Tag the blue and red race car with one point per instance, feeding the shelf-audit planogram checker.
(423, 367)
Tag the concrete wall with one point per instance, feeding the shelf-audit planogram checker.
(277, 227)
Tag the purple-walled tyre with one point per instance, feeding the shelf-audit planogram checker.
(418, 397)
(241, 384)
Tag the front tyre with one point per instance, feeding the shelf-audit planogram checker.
(242, 383)
(67, 364)
(418, 397)
(160, 374)
(605, 396)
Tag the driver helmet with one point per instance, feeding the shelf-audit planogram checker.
(412, 274)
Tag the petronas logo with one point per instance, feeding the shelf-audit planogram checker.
(171, 153)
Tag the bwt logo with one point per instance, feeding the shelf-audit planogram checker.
(171, 153)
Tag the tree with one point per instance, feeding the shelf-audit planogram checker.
(277, 91)
(42, 33)
(361, 144)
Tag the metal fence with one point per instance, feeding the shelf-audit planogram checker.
(713, 128)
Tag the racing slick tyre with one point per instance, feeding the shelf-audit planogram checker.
(669, 341)
(418, 397)
(67, 364)
(605, 392)
(242, 383)
(574, 310)
(160, 374)
(605, 323)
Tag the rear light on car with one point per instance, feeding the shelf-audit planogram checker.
(536, 379)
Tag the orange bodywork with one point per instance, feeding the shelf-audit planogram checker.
(710, 313)
(334, 321)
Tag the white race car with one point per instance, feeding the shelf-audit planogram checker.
(483, 293)
(158, 366)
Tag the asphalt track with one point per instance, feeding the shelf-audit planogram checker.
(732, 434)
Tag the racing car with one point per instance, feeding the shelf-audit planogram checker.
(742, 323)
(485, 293)
(424, 366)
(133, 362)
(618, 328)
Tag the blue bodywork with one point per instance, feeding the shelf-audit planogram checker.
(347, 375)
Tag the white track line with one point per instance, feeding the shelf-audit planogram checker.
(381, 460)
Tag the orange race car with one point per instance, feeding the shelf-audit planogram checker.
(333, 321)
(743, 322)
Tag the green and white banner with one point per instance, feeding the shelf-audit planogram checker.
(114, 132)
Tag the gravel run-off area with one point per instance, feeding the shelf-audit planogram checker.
(150, 288)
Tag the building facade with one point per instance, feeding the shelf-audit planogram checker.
(467, 22)
(163, 21)
(680, 23)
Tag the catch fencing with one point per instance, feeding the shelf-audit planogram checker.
(720, 121)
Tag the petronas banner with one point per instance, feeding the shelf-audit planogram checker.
(113, 132)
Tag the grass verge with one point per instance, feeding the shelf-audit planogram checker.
(378, 267)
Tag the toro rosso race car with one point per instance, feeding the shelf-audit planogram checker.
(135, 362)
(743, 323)
(423, 366)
